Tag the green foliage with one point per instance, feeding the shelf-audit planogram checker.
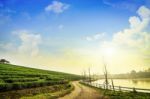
(4, 61)
(65, 89)
(36, 92)
(134, 74)
(14, 77)
(127, 95)
(120, 95)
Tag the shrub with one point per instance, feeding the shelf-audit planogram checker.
(5, 87)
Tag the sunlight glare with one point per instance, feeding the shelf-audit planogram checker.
(109, 51)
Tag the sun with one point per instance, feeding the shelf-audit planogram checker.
(108, 51)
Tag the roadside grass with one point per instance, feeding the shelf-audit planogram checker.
(52, 95)
(39, 91)
(119, 94)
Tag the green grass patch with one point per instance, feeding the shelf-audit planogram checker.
(120, 95)
(52, 95)
(36, 92)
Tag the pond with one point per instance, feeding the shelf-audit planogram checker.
(136, 83)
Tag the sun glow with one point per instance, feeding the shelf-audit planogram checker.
(108, 50)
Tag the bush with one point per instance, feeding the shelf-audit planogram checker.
(11, 80)
(5, 87)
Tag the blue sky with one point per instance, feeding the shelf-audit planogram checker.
(81, 18)
(58, 25)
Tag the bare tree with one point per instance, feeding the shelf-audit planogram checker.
(106, 76)
(84, 75)
(106, 83)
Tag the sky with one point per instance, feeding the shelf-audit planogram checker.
(74, 35)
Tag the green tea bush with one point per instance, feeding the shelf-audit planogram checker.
(14, 77)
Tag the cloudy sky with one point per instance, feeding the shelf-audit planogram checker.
(73, 35)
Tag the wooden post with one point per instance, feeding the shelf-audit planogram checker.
(112, 84)
(84, 73)
(134, 90)
(89, 76)
(119, 88)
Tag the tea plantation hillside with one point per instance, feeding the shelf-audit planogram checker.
(14, 77)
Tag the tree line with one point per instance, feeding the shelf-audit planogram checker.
(134, 74)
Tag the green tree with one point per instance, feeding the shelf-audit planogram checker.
(4, 61)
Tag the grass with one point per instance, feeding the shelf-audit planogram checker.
(52, 95)
(127, 95)
(31, 81)
(120, 95)
(46, 92)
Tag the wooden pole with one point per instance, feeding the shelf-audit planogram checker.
(89, 75)
(112, 84)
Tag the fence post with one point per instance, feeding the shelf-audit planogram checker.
(110, 87)
(99, 85)
(134, 90)
(119, 88)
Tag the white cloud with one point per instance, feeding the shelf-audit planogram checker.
(57, 7)
(29, 43)
(7, 47)
(134, 21)
(88, 38)
(131, 6)
(136, 36)
(98, 36)
(144, 12)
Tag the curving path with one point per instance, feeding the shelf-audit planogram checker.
(83, 92)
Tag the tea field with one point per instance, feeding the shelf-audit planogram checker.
(14, 77)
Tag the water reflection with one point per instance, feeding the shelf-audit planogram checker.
(137, 83)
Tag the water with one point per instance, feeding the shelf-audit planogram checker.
(136, 83)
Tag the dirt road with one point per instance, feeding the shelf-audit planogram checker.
(83, 92)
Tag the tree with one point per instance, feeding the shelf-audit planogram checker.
(106, 76)
(148, 70)
(4, 61)
(133, 72)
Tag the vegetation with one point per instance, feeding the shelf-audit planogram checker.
(53, 95)
(134, 74)
(45, 92)
(126, 95)
(131, 75)
(4, 61)
(106, 76)
(14, 77)
(121, 95)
